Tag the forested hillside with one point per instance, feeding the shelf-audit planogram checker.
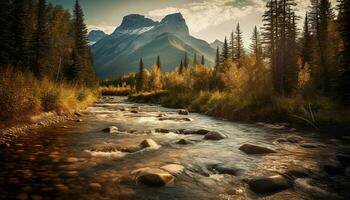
(43, 53)
(289, 73)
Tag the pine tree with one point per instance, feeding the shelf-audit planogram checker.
(323, 40)
(186, 61)
(158, 63)
(225, 53)
(256, 47)
(232, 46)
(140, 77)
(181, 68)
(84, 72)
(6, 35)
(344, 21)
(40, 65)
(20, 31)
(239, 50)
(194, 59)
(217, 59)
(306, 43)
(202, 60)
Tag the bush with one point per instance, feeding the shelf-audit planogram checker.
(23, 96)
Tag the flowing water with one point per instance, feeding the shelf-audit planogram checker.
(59, 163)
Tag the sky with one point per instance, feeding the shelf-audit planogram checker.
(206, 19)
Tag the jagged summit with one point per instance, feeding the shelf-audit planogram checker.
(138, 36)
(135, 21)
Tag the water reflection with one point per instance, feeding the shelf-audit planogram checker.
(65, 163)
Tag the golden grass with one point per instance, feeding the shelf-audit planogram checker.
(115, 91)
(23, 96)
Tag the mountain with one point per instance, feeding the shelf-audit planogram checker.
(216, 44)
(138, 36)
(95, 36)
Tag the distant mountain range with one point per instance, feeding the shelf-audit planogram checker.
(95, 36)
(216, 44)
(139, 37)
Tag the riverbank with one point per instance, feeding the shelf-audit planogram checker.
(28, 103)
(317, 114)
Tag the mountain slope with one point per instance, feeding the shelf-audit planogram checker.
(95, 36)
(138, 37)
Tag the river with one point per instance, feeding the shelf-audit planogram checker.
(70, 160)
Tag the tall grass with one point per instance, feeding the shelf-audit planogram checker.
(22, 96)
(115, 90)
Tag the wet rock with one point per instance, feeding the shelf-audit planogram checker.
(134, 111)
(153, 177)
(225, 169)
(270, 184)
(111, 129)
(183, 112)
(79, 120)
(95, 186)
(184, 142)
(334, 169)
(162, 130)
(309, 145)
(294, 138)
(214, 136)
(298, 172)
(176, 119)
(305, 186)
(173, 169)
(148, 143)
(124, 109)
(194, 132)
(344, 159)
(254, 149)
(161, 115)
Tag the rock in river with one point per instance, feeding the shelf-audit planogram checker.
(225, 169)
(269, 184)
(162, 130)
(173, 169)
(153, 177)
(183, 112)
(254, 149)
(149, 143)
(195, 132)
(184, 142)
(214, 136)
(111, 129)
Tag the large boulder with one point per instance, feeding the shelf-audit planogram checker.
(153, 177)
(214, 136)
(254, 149)
(269, 184)
(111, 129)
(149, 143)
(183, 112)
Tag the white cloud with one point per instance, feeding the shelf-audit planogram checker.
(105, 28)
(206, 13)
(201, 15)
